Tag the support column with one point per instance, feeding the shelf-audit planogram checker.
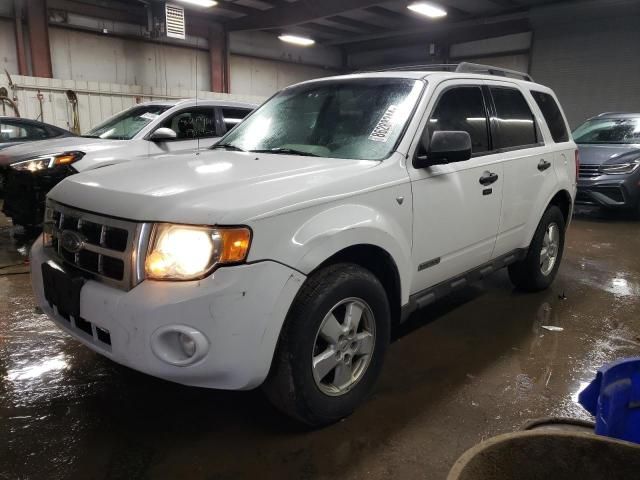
(39, 38)
(20, 52)
(219, 58)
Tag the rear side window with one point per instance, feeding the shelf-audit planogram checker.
(552, 115)
(55, 132)
(11, 131)
(233, 116)
(516, 124)
(462, 109)
(197, 122)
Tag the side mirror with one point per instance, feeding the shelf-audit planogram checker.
(445, 147)
(162, 134)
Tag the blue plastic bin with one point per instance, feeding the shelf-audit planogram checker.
(614, 399)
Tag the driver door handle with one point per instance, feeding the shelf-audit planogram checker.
(543, 165)
(488, 178)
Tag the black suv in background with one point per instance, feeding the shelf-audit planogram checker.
(610, 161)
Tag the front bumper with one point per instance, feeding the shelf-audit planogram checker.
(25, 193)
(611, 191)
(239, 310)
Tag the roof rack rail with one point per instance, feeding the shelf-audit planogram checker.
(467, 67)
(437, 67)
(464, 67)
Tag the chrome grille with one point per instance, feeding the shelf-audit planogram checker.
(589, 171)
(106, 248)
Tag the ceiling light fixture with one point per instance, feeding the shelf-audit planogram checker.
(428, 9)
(201, 3)
(303, 41)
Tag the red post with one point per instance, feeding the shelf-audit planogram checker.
(39, 38)
(218, 59)
(22, 57)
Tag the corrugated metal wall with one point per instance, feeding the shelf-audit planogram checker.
(593, 65)
(110, 73)
(265, 77)
(508, 51)
(89, 57)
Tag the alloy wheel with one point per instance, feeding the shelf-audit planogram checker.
(343, 346)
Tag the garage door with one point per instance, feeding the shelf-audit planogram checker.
(592, 66)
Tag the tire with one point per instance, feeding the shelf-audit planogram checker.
(532, 273)
(292, 386)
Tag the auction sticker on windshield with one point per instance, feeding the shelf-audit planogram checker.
(383, 129)
(149, 116)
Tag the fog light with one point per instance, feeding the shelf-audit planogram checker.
(179, 345)
(188, 344)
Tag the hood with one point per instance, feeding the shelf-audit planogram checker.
(4, 145)
(212, 187)
(599, 154)
(27, 150)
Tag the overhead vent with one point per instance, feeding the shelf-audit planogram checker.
(175, 21)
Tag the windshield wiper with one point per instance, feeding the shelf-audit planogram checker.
(290, 151)
(227, 146)
(89, 136)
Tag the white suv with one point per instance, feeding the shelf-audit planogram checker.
(332, 212)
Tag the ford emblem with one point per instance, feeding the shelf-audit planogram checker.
(71, 241)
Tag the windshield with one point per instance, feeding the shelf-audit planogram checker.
(126, 125)
(349, 118)
(609, 130)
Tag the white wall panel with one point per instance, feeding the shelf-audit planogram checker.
(91, 57)
(8, 55)
(255, 76)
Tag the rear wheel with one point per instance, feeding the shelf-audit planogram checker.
(539, 268)
(332, 345)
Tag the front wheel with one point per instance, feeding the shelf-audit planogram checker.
(539, 268)
(332, 345)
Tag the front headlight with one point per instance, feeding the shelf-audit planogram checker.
(183, 252)
(48, 161)
(619, 168)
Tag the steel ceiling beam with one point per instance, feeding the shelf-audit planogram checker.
(235, 8)
(333, 31)
(506, 3)
(431, 28)
(132, 13)
(302, 11)
(358, 24)
(408, 17)
(457, 35)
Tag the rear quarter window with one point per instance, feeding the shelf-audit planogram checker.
(552, 115)
(233, 116)
(516, 123)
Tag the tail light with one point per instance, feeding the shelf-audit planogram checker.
(577, 163)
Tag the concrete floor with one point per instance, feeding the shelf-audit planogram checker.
(473, 366)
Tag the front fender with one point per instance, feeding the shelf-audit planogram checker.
(335, 229)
